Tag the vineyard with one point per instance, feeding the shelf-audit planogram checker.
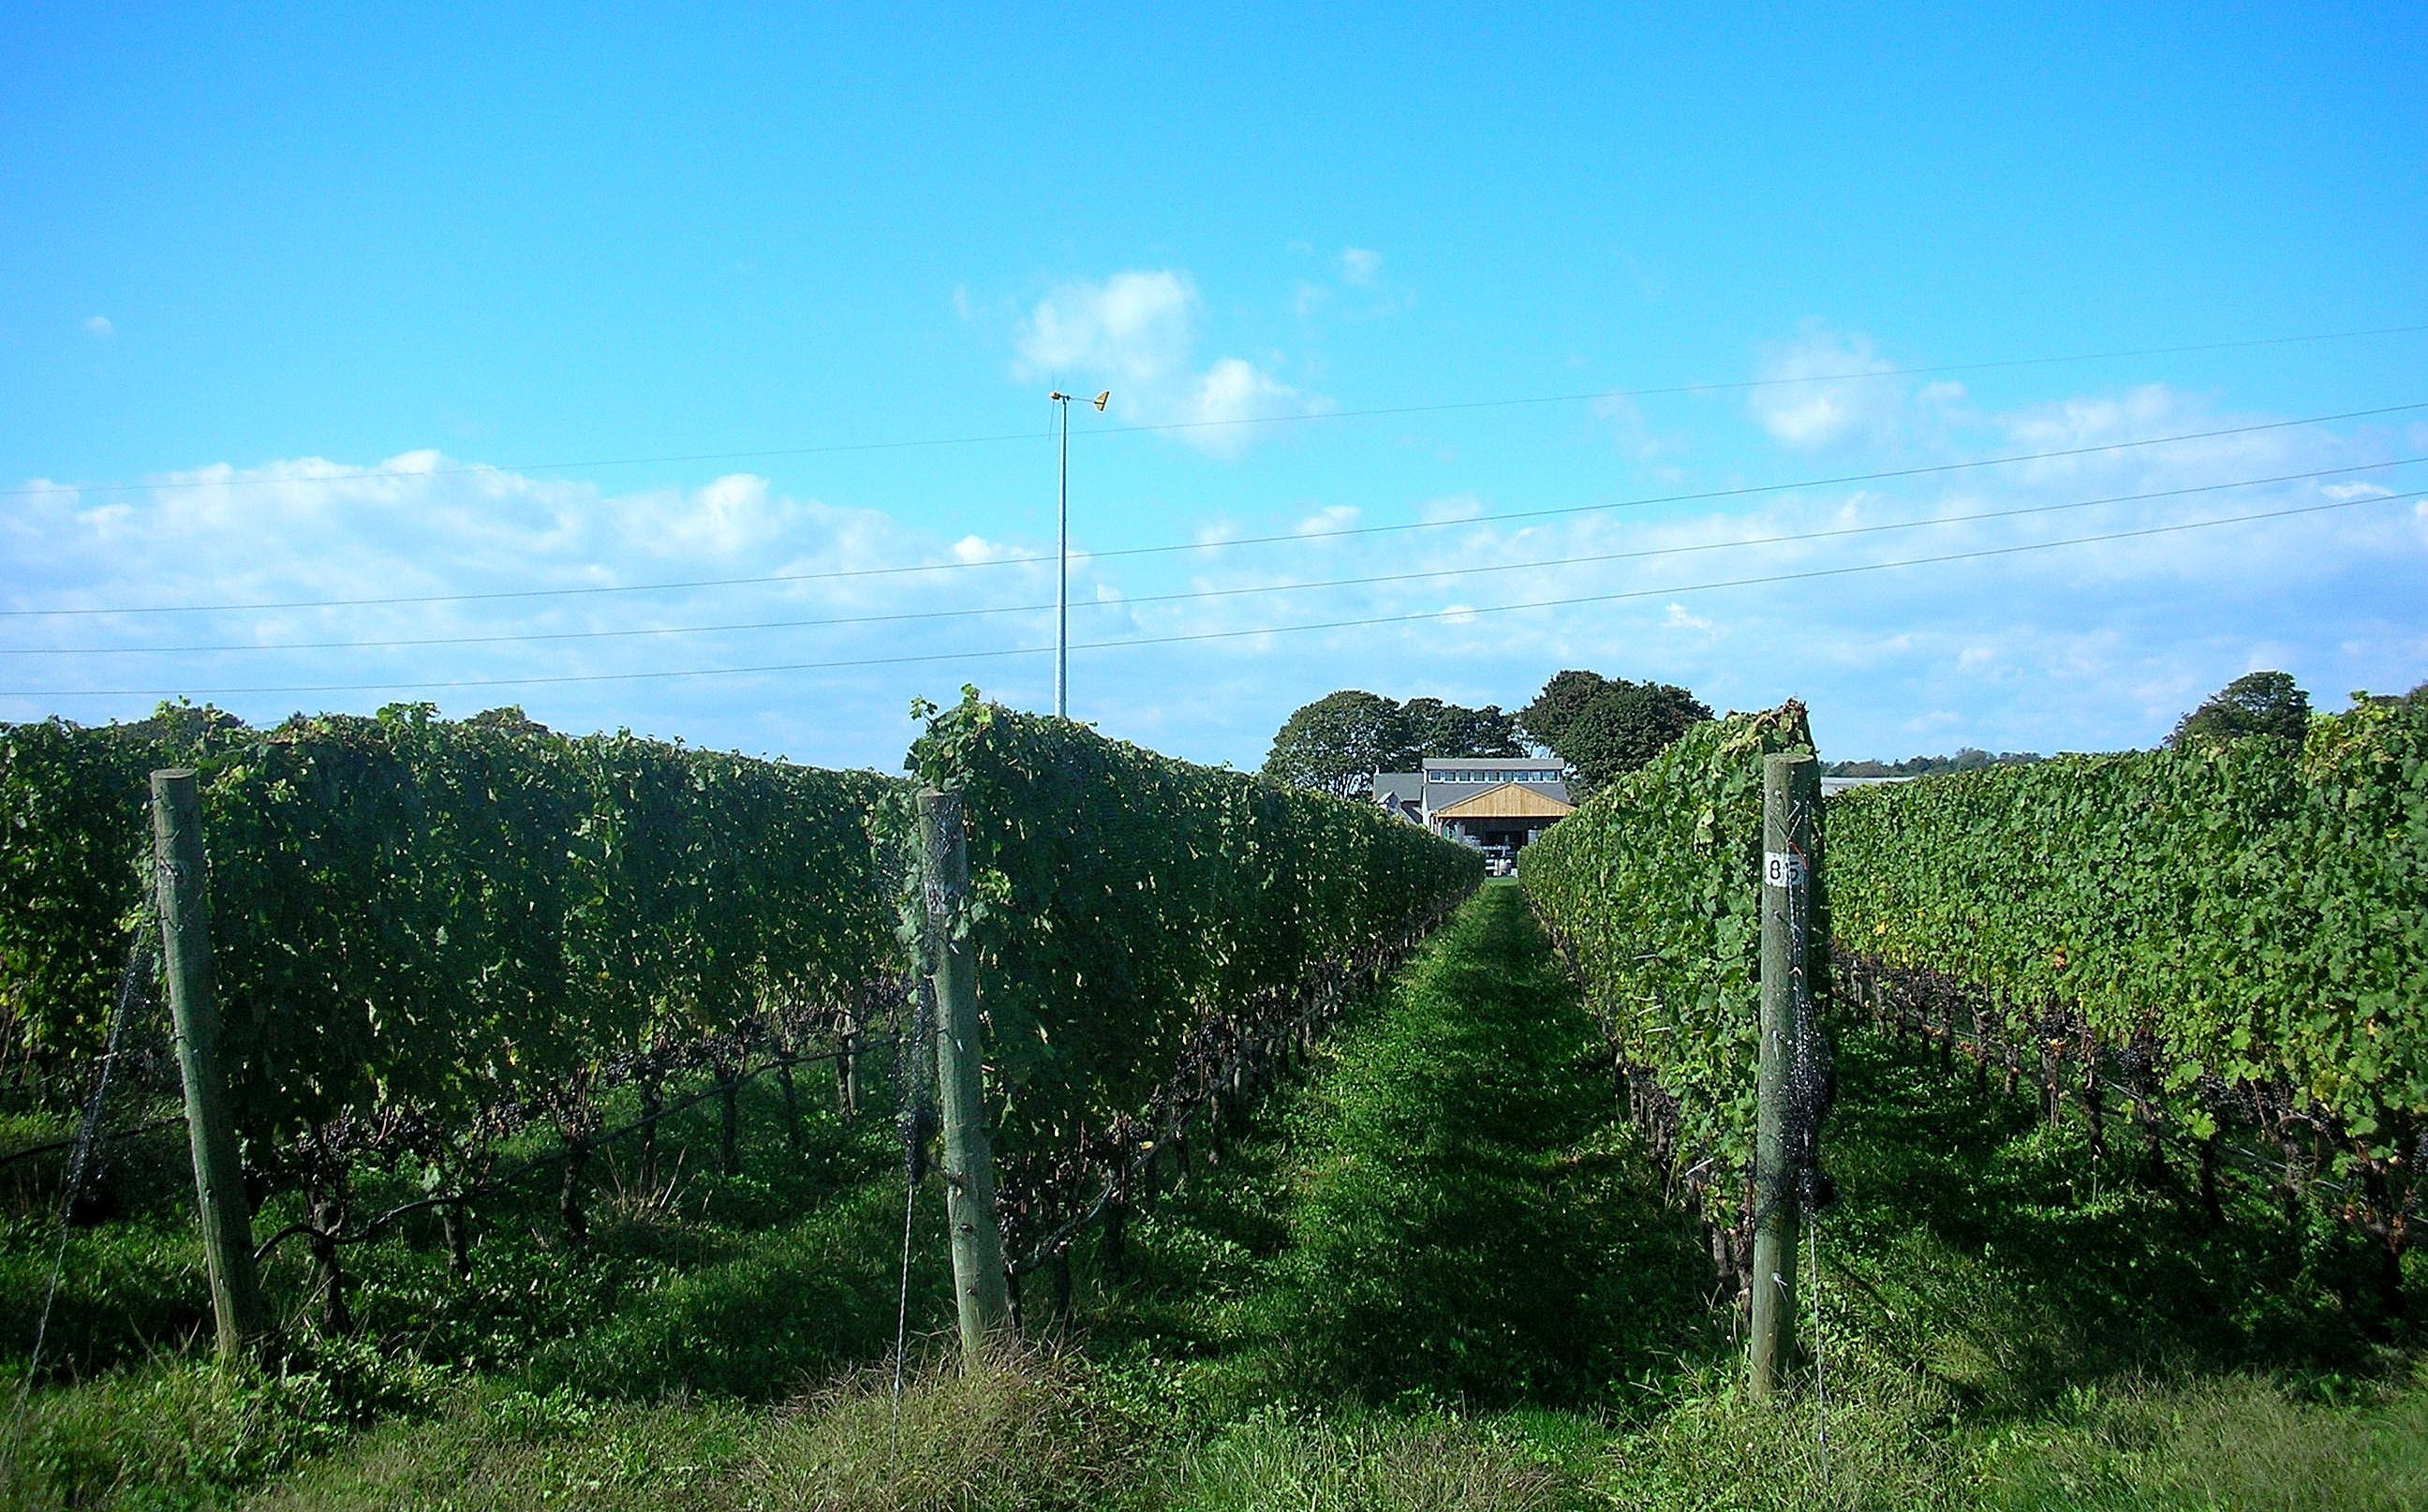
(1156, 940)
(1271, 1101)
(459, 963)
(1644, 894)
(2230, 945)
(430, 936)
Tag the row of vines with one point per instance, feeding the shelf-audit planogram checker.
(431, 934)
(1152, 937)
(1649, 892)
(428, 933)
(2233, 934)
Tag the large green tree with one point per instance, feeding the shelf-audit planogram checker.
(1438, 728)
(2256, 703)
(1337, 743)
(1625, 728)
(1546, 720)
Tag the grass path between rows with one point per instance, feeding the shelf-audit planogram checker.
(1442, 1214)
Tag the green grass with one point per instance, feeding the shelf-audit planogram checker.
(1443, 1214)
(693, 1239)
(1427, 1272)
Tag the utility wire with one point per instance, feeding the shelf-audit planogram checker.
(1746, 490)
(1724, 386)
(1795, 537)
(1457, 612)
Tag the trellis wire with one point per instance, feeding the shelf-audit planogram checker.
(1820, 1375)
(1889, 997)
(499, 1182)
(139, 960)
(914, 1078)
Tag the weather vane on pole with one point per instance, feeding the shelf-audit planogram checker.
(1063, 562)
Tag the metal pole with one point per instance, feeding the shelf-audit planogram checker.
(1062, 577)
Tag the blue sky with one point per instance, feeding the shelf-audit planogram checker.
(367, 307)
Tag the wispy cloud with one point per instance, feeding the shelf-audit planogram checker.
(1355, 289)
(1137, 334)
(1824, 389)
(2083, 645)
(2078, 646)
(489, 551)
(99, 328)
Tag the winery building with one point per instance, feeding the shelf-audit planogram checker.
(1479, 801)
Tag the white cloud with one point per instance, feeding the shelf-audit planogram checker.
(1328, 520)
(2082, 646)
(1234, 392)
(488, 552)
(1356, 291)
(1135, 327)
(2042, 650)
(1136, 334)
(1819, 392)
(1450, 507)
(1635, 434)
(99, 328)
(976, 549)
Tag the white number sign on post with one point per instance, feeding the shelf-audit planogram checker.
(1783, 868)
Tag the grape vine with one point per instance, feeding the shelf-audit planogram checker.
(1650, 892)
(2251, 920)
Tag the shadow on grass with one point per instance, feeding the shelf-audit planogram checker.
(694, 1279)
(2016, 1264)
(1442, 1212)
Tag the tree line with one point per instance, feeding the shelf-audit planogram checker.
(1597, 727)
(1601, 727)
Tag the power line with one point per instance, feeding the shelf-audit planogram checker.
(1729, 385)
(1790, 538)
(1742, 491)
(1459, 612)
(1891, 474)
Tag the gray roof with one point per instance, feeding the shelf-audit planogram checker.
(1411, 787)
(1840, 784)
(1493, 764)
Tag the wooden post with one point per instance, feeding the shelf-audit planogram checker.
(728, 1123)
(654, 1103)
(193, 1006)
(847, 1066)
(1790, 792)
(981, 1288)
(792, 1103)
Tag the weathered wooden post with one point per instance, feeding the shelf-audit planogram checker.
(981, 1288)
(193, 1008)
(1790, 801)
